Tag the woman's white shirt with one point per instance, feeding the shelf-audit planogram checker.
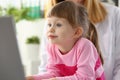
(109, 37)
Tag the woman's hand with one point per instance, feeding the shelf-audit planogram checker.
(29, 78)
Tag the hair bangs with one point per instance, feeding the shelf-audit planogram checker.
(62, 11)
(58, 13)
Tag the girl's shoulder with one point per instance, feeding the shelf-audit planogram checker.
(86, 45)
(84, 42)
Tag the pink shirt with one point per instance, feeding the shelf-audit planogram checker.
(80, 63)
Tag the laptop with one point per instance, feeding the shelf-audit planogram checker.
(10, 62)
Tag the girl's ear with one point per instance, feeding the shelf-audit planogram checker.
(78, 32)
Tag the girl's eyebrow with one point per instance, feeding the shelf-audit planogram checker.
(57, 20)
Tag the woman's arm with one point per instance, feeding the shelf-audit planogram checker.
(116, 74)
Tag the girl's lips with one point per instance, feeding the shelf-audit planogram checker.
(52, 36)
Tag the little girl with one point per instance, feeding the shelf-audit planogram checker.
(73, 50)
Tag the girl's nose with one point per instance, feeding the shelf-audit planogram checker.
(52, 29)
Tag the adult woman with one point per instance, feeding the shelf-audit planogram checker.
(106, 19)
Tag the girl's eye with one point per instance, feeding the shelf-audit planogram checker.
(58, 24)
(49, 25)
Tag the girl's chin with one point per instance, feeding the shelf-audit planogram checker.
(53, 42)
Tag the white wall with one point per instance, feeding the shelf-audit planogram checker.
(25, 29)
(119, 3)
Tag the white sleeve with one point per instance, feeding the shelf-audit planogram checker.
(43, 51)
(116, 73)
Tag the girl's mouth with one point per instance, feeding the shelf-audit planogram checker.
(52, 36)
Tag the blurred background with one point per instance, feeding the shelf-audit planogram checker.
(29, 17)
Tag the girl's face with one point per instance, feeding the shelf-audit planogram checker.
(59, 31)
(77, 1)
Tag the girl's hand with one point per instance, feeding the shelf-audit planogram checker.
(29, 78)
(53, 79)
(50, 79)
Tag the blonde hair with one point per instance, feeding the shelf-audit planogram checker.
(96, 10)
(76, 15)
(49, 5)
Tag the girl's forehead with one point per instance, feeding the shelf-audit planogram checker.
(56, 18)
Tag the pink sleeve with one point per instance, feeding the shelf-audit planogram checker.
(85, 65)
(86, 62)
(51, 70)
